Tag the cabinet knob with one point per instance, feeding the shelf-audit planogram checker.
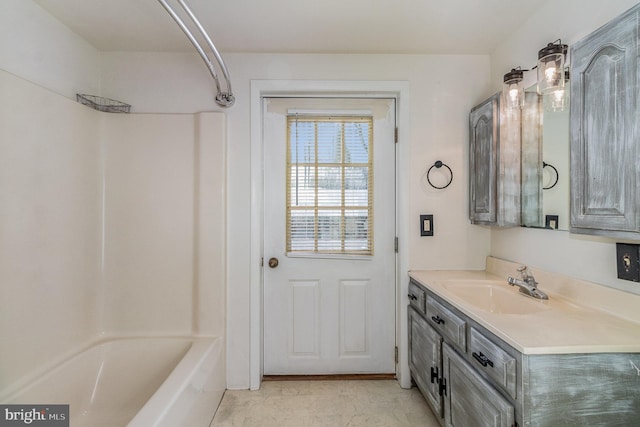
(273, 262)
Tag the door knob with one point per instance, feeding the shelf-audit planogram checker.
(273, 262)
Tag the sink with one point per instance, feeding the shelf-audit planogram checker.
(495, 297)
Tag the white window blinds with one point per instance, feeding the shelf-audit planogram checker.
(330, 184)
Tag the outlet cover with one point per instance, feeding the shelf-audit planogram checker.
(628, 261)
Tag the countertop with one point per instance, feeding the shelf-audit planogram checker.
(562, 326)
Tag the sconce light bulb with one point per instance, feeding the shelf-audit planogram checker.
(513, 93)
(558, 95)
(550, 71)
(556, 100)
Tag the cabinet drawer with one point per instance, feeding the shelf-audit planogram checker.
(417, 297)
(493, 361)
(452, 327)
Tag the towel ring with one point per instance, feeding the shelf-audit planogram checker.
(438, 164)
(544, 165)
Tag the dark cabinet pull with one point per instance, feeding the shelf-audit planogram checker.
(437, 319)
(482, 359)
(434, 375)
(412, 297)
(442, 389)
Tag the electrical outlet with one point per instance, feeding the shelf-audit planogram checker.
(426, 225)
(628, 261)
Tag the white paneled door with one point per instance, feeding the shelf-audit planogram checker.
(329, 221)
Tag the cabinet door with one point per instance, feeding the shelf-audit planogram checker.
(425, 361)
(604, 134)
(470, 401)
(483, 139)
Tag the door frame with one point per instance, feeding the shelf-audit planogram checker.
(334, 88)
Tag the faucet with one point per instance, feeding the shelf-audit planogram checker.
(527, 283)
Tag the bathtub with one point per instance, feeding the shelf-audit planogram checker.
(136, 382)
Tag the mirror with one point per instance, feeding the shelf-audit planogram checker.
(545, 165)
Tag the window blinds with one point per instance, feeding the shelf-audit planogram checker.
(329, 184)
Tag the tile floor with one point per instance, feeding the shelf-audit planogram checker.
(329, 403)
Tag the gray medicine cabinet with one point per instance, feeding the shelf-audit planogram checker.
(605, 133)
(494, 164)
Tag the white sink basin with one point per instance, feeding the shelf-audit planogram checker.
(495, 297)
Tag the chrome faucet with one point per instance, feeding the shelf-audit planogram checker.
(527, 283)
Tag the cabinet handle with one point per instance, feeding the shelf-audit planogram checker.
(482, 359)
(412, 297)
(437, 319)
(434, 375)
(442, 389)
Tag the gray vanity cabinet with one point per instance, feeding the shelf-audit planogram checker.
(494, 164)
(483, 381)
(458, 393)
(471, 401)
(425, 360)
(605, 138)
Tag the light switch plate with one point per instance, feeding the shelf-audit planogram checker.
(426, 225)
(628, 261)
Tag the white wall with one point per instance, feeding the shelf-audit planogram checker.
(50, 224)
(589, 258)
(38, 48)
(164, 224)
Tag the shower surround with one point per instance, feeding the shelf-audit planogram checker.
(111, 226)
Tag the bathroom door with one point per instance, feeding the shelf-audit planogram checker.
(329, 236)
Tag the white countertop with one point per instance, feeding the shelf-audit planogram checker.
(563, 326)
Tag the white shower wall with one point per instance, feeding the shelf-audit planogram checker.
(109, 225)
(50, 179)
(164, 224)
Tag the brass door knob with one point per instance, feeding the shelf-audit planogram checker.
(273, 262)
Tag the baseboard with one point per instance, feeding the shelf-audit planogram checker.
(336, 377)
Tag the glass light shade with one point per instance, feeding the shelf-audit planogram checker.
(512, 89)
(551, 68)
(557, 100)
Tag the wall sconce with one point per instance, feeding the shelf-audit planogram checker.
(512, 89)
(551, 67)
(558, 100)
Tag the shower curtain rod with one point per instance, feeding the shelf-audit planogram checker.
(224, 99)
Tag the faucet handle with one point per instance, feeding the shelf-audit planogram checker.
(526, 275)
(524, 271)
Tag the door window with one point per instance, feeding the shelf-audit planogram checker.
(329, 185)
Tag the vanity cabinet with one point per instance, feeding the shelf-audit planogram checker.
(605, 137)
(457, 392)
(480, 380)
(425, 360)
(471, 401)
(494, 164)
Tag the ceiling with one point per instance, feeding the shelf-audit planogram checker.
(301, 26)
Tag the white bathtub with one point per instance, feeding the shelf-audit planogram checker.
(136, 382)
